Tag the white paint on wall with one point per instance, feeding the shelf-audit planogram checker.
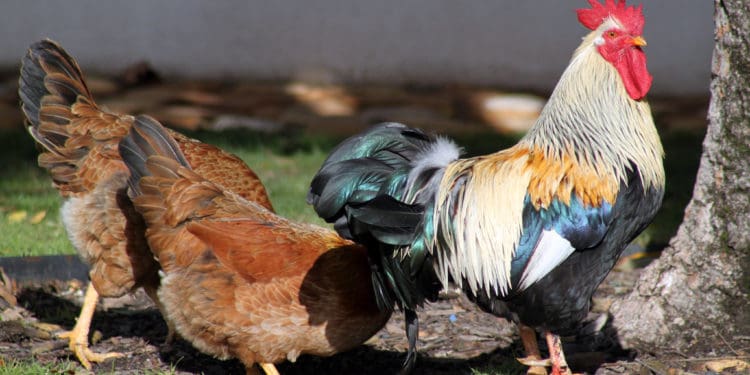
(508, 43)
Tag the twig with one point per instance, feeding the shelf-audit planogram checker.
(727, 343)
(681, 354)
(702, 359)
(652, 368)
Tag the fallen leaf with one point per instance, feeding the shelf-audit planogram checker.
(17, 216)
(723, 364)
(38, 217)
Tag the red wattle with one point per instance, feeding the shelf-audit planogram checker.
(635, 75)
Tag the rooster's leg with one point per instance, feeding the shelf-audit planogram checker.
(533, 358)
(556, 355)
(79, 336)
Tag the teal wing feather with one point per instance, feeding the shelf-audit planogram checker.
(376, 190)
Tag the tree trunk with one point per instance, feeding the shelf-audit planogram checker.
(696, 296)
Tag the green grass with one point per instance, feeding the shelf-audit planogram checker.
(15, 367)
(25, 188)
(285, 165)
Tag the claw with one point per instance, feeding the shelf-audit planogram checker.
(80, 347)
(78, 337)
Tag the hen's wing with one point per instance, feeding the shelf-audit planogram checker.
(223, 168)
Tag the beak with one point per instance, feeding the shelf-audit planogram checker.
(638, 41)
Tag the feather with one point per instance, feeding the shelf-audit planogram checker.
(387, 219)
(551, 250)
(375, 187)
(147, 137)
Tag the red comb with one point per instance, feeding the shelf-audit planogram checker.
(630, 17)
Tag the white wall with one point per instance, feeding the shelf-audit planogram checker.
(512, 43)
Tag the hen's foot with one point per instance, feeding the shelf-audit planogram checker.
(78, 337)
(80, 347)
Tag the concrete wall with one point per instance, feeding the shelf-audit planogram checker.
(509, 43)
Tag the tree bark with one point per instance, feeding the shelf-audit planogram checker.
(696, 296)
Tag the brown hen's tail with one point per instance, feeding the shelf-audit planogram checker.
(149, 138)
(51, 82)
(64, 119)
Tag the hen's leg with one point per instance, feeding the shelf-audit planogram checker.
(79, 336)
(268, 368)
(151, 292)
(556, 355)
(533, 358)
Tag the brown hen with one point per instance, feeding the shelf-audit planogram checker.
(79, 149)
(240, 281)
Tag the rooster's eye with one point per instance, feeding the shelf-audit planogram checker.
(611, 34)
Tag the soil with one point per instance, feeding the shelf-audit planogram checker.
(455, 338)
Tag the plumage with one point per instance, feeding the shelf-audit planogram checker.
(532, 229)
(79, 148)
(240, 281)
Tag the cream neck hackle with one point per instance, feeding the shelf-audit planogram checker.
(591, 116)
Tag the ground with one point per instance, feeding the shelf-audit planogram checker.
(455, 338)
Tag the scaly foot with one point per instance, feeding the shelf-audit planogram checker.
(78, 337)
(80, 347)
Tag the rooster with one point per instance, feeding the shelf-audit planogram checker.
(529, 231)
(239, 280)
(79, 149)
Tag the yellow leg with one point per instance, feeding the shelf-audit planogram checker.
(269, 368)
(533, 358)
(79, 336)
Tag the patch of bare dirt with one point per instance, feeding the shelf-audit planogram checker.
(455, 338)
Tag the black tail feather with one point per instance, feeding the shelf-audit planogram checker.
(412, 332)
